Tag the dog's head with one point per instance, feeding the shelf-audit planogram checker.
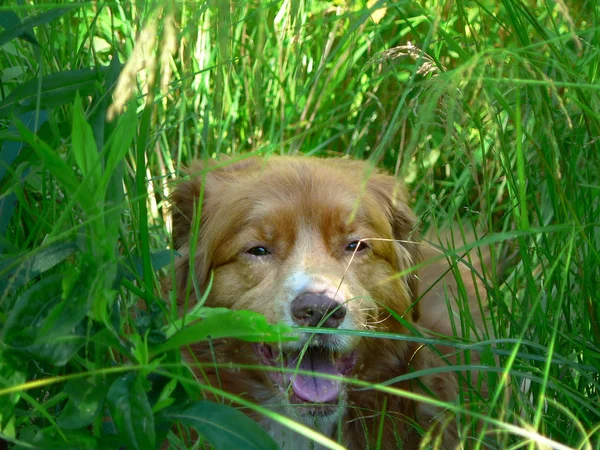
(307, 242)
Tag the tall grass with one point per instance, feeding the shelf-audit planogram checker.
(489, 110)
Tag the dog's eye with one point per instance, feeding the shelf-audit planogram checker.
(258, 251)
(356, 246)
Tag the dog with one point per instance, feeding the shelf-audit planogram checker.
(327, 243)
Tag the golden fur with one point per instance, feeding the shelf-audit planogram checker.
(308, 214)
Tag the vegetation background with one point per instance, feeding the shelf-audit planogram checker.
(489, 109)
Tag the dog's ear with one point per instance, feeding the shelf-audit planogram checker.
(185, 205)
(185, 199)
(393, 197)
(195, 199)
(185, 202)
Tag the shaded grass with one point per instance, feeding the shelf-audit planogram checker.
(490, 114)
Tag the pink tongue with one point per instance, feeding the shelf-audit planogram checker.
(312, 388)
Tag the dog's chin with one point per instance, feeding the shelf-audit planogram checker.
(309, 394)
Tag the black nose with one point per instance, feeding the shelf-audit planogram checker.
(317, 310)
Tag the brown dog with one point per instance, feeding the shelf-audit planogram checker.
(319, 243)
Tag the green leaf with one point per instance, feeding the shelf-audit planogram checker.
(164, 400)
(245, 325)
(33, 265)
(119, 143)
(54, 163)
(49, 438)
(13, 151)
(159, 259)
(223, 426)
(110, 187)
(11, 374)
(78, 292)
(56, 89)
(44, 325)
(106, 337)
(60, 349)
(85, 404)
(30, 310)
(13, 27)
(33, 21)
(83, 146)
(131, 412)
(101, 100)
(9, 18)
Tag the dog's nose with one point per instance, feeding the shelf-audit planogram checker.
(312, 310)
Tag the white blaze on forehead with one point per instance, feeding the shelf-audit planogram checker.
(299, 282)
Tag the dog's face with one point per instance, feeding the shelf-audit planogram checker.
(306, 242)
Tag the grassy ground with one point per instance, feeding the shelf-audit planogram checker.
(489, 109)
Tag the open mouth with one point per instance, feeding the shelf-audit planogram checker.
(308, 388)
